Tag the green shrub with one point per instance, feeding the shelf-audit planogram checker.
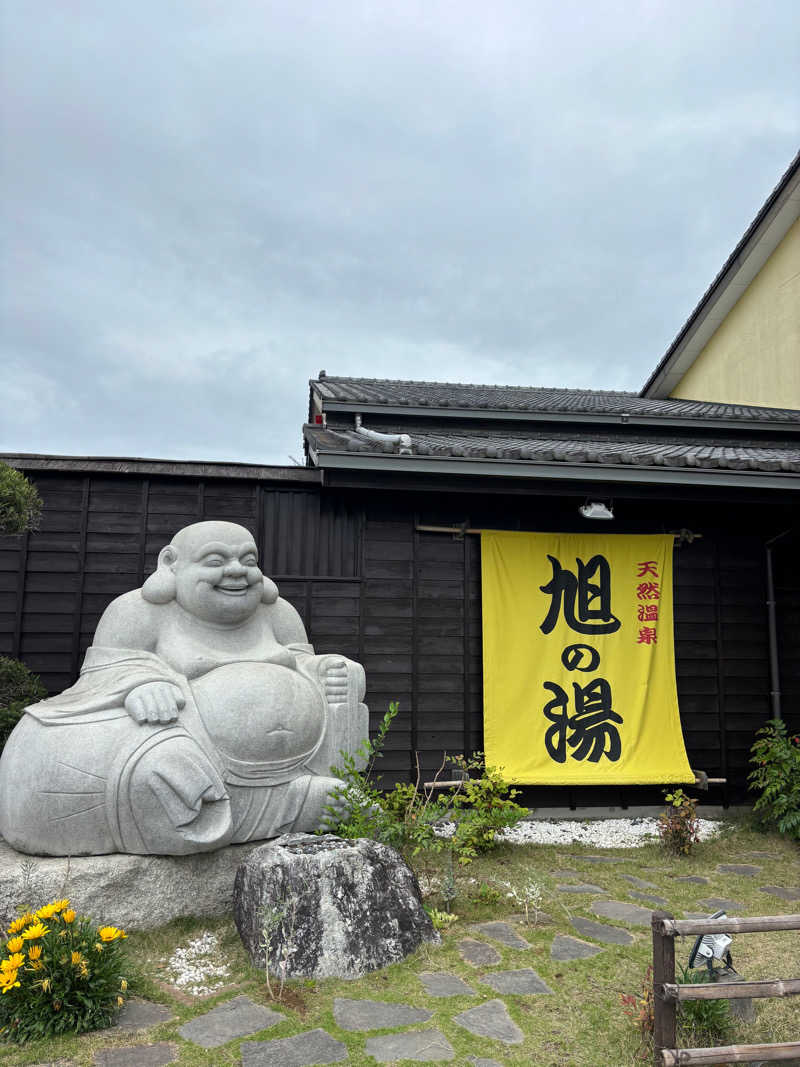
(405, 817)
(776, 761)
(60, 974)
(482, 806)
(702, 1022)
(678, 825)
(20, 504)
(18, 688)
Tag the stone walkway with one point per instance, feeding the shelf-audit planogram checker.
(420, 1040)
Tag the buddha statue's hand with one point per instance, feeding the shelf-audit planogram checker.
(335, 682)
(154, 702)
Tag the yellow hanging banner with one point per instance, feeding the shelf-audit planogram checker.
(579, 661)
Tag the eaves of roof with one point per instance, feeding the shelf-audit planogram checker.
(762, 237)
(588, 418)
(189, 468)
(588, 458)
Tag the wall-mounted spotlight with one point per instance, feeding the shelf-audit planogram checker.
(596, 509)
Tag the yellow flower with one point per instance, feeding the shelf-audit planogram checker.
(84, 970)
(68, 916)
(45, 984)
(15, 960)
(77, 958)
(60, 905)
(34, 952)
(110, 933)
(35, 931)
(123, 984)
(47, 912)
(36, 965)
(8, 981)
(120, 1001)
(98, 947)
(15, 944)
(20, 923)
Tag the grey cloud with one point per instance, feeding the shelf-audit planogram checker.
(204, 204)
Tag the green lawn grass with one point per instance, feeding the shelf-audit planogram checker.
(582, 1025)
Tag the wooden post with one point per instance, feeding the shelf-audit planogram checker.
(664, 1011)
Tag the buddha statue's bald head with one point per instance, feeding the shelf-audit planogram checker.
(211, 570)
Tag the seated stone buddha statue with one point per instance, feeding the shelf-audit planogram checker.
(201, 717)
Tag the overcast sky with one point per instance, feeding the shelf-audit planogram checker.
(204, 203)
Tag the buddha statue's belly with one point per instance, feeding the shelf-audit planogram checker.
(260, 712)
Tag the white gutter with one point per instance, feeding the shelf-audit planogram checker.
(401, 441)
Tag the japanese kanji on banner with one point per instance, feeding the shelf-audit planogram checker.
(578, 659)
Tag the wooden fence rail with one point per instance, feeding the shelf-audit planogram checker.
(667, 994)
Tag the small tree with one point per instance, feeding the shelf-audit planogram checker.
(20, 510)
(20, 503)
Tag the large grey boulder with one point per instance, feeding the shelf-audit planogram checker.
(328, 907)
(135, 892)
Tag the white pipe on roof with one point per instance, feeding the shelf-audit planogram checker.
(403, 440)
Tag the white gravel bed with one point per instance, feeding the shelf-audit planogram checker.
(198, 967)
(599, 833)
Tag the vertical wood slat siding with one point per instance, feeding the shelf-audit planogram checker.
(405, 604)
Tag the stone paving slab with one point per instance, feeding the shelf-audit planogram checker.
(491, 1020)
(733, 907)
(420, 1046)
(747, 870)
(310, 1047)
(524, 982)
(137, 1056)
(760, 855)
(648, 898)
(445, 984)
(694, 879)
(782, 891)
(239, 1017)
(483, 1062)
(502, 932)
(477, 953)
(580, 887)
(639, 883)
(141, 1014)
(565, 948)
(622, 911)
(609, 935)
(567, 872)
(375, 1014)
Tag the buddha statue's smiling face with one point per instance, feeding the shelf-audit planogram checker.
(217, 577)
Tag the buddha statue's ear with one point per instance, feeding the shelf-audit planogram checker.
(270, 594)
(160, 587)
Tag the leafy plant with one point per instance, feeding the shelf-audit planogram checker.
(403, 817)
(641, 1008)
(441, 919)
(483, 805)
(19, 687)
(20, 503)
(487, 894)
(678, 825)
(60, 974)
(702, 1022)
(529, 897)
(775, 757)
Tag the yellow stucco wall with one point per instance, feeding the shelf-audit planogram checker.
(754, 355)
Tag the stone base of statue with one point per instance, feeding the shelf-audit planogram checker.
(327, 907)
(134, 892)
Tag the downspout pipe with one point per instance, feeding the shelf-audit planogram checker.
(402, 441)
(774, 669)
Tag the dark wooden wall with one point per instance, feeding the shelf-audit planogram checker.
(405, 603)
